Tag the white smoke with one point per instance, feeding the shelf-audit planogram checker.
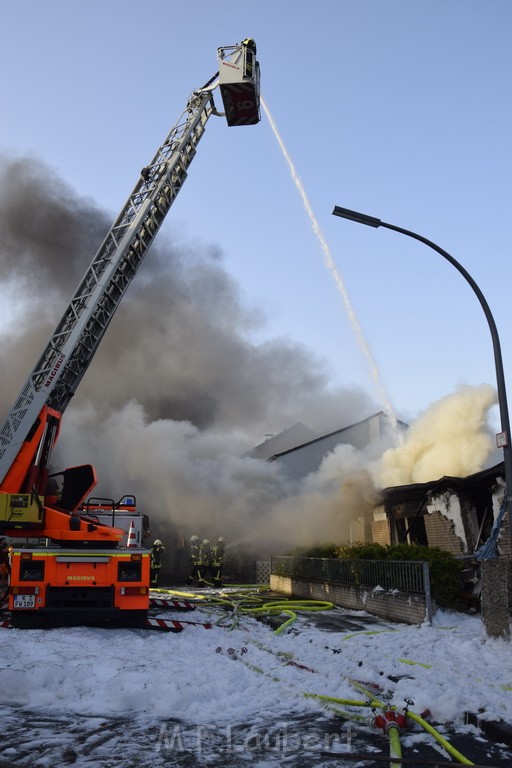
(181, 475)
(199, 479)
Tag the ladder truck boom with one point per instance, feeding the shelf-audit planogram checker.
(64, 361)
(96, 578)
(71, 348)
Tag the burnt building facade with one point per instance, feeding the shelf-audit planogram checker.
(452, 513)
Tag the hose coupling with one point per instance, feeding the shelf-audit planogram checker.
(390, 719)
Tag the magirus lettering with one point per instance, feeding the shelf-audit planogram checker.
(54, 370)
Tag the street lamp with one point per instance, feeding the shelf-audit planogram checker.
(503, 439)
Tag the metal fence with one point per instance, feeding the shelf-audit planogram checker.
(403, 575)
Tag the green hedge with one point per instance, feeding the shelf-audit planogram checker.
(317, 550)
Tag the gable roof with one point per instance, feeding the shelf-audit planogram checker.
(339, 432)
(288, 439)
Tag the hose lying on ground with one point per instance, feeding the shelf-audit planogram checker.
(241, 602)
(252, 605)
(395, 747)
(373, 703)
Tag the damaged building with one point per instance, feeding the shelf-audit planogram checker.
(455, 514)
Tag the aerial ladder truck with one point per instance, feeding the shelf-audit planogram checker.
(82, 574)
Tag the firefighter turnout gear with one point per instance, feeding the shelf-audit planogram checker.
(5, 565)
(205, 554)
(217, 561)
(250, 56)
(157, 554)
(206, 561)
(195, 560)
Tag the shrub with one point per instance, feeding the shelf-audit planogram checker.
(317, 550)
(362, 552)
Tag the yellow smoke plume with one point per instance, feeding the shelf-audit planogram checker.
(452, 437)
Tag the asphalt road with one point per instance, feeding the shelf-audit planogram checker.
(35, 739)
(301, 741)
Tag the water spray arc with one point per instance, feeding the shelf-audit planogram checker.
(334, 272)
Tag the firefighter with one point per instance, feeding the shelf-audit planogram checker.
(157, 554)
(250, 44)
(205, 560)
(53, 492)
(217, 561)
(5, 564)
(250, 54)
(4, 554)
(195, 552)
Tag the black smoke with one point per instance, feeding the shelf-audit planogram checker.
(176, 373)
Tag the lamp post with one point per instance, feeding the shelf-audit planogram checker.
(503, 439)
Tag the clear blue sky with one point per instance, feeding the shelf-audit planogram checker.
(400, 109)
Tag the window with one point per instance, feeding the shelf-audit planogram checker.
(129, 570)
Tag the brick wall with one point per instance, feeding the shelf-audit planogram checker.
(440, 533)
(380, 532)
(393, 606)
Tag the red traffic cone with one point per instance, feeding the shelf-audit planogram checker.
(132, 536)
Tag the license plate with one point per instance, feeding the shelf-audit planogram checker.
(24, 601)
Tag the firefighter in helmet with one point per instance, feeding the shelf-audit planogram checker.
(157, 554)
(250, 55)
(217, 560)
(250, 44)
(195, 551)
(5, 563)
(205, 559)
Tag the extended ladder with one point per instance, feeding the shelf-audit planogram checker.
(71, 348)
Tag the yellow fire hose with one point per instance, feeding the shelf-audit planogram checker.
(376, 704)
(395, 747)
(243, 603)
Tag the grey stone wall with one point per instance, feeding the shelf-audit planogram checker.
(495, 596)
(391, 605)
